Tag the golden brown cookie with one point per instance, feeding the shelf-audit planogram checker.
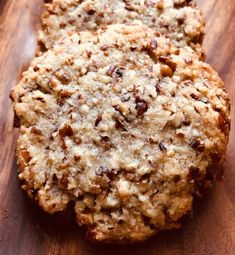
(179, 20)
(124, 124)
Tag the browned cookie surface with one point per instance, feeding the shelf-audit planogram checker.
(179, 20)
(123, 123)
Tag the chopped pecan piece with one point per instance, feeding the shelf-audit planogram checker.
(119, 125)
(65, 93)
(25, 155)
(111, 70)
(77, 158)
(63, 77)
(91, 12)
(105, 171)
(169, 62)
(119, 72)
(158, 87)
(196, 144)
(105, 139)
(141, 106)
(98, 120)
(36, 131)
(153, 43)
(194, 96)
(162, 146)
(36, 68)
(66, 131)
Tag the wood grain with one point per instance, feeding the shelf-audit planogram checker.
(25, 229)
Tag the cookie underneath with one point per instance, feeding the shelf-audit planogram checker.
(179, 20)
(125, 125)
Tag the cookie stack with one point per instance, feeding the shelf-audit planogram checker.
(120, 115)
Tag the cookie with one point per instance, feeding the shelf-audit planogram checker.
(179, 20)
(125, 125)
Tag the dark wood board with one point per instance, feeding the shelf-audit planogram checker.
(25, 229)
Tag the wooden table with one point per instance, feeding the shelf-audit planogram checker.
(25, 229)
